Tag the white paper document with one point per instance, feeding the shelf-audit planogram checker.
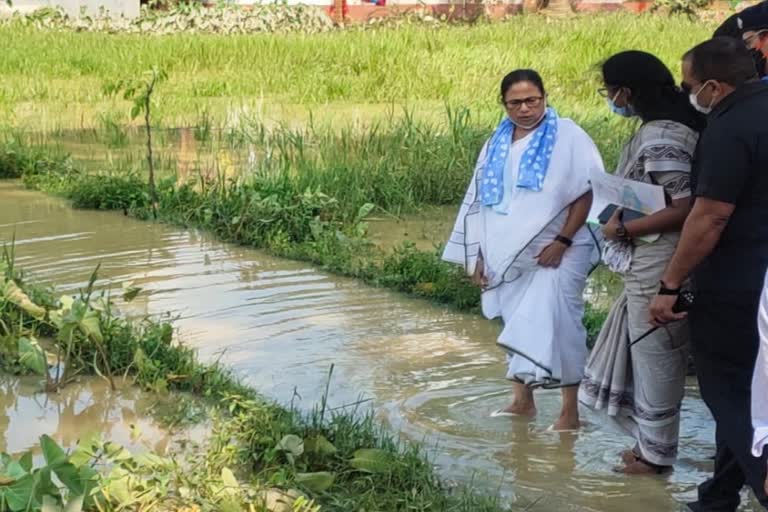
(608, 189)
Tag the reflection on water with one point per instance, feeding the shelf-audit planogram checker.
(82, 409)
(434, 375)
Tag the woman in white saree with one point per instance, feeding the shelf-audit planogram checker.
(521, 235)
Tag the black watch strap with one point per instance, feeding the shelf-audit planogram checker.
(663, 290)
(564, 240)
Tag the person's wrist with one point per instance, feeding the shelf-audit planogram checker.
(669, 287)
(622, 233)
(564, 241)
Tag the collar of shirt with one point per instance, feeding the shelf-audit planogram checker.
(745, 91)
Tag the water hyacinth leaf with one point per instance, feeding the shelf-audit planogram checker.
(117, 453)
(319, 445)
(51, 505)
(19, 496)
(291, 444)
(151, 460)
(81, 456)
(53, 453)
(32, 356)
(66, 302)
(72, 479)
(231, 485)
(91, 326)
(371, 460)
(316, 482)
(364, 211)
(16, 296)
(118, 488)
(75, 504)
(13, 471)
(26, 462)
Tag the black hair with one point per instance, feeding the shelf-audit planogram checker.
(654, 94)
(522, 75)
(723, 59)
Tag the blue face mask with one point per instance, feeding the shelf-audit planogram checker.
(625, 111)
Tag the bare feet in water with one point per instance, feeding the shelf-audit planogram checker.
(521, 409)
(566, 423)
(634, 465)
(628, 457)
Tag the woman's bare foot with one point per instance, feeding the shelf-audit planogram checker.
(640, 467)
(569, 413)
(566, 423)
(521, 409)
(522, 401)
(628, 457)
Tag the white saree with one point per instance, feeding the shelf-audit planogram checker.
(541, 308)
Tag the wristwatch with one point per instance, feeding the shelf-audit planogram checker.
(622, 233)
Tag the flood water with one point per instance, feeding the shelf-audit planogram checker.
(126, 416)
(433, 375)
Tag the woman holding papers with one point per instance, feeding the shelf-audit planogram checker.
(521, 235)
(641, 387)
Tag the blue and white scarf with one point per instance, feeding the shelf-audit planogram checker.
(533, 165)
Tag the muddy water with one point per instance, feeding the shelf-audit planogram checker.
(127, 416)
(433, 375)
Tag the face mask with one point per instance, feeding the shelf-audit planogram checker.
(758, 57)
(625, 111)
(694, 99)
(533, 124)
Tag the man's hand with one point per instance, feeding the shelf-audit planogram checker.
(661, 310)
(552, 255)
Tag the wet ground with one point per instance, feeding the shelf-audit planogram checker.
(432, 374)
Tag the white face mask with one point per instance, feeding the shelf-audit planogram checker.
(533, 124)
(694, 99)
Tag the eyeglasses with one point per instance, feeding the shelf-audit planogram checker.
(530, 102)
(750, 40)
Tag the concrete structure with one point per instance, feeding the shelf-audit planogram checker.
(74, 8)
(364, 10)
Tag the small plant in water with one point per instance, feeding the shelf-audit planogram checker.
(140, 91)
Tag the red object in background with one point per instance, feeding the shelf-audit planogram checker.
(381, 3)
(344, 10)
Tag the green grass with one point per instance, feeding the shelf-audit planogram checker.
(59, 73)
(249, 436)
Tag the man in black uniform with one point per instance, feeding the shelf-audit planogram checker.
(724, 247)
(751, 27)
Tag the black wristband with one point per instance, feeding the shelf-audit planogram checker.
(564, 240)
(663, 290)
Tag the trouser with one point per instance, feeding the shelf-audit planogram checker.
(725, 341)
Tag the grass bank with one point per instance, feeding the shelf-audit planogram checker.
(52, 78)
(260, 456)
(273, 209)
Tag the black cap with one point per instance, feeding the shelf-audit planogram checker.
(751, 18)
(754, 18)
(729, 28)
